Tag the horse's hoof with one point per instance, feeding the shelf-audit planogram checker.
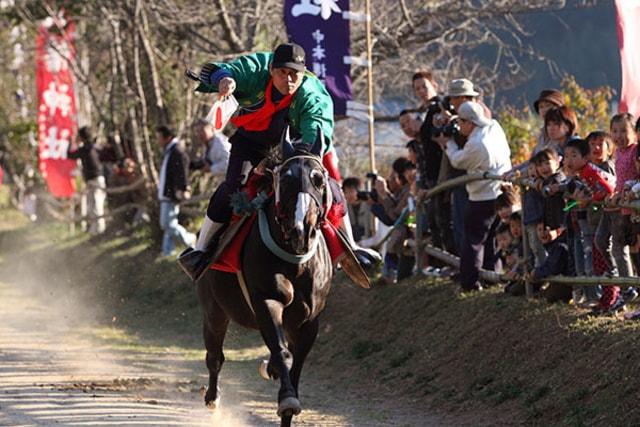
(289, 406)
(262, 369)
(214, 404)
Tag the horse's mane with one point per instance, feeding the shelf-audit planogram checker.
(273, 158)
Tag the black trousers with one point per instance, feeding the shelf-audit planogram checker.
(479, 247)
(242, 150)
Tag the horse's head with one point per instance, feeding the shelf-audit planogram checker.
(301, 194)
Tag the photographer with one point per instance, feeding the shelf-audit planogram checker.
(428, 160)
(459, 91)
(486, 150)
(359, 210)
(392, 199)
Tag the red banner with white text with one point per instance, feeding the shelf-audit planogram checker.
(56, 107)
(628, 26)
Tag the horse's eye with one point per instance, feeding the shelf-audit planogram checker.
(317, 178)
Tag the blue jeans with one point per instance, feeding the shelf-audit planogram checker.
(535, 245)
(583, 256)
(172, 229)
(459, 203)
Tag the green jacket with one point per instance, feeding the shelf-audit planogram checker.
(311, 106)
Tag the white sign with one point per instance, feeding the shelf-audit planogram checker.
(57, 98)
(324, 8)
(55, 147)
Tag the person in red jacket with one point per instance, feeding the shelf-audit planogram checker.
(597, 185)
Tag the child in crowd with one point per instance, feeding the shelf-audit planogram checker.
(515, 226)
(533, 213)
(558, 262)
(599, 218)
(600, 150)
(548, 168)
(625, 139)
(504, 239)
(505, 244)
(506, 203)
(590, 184)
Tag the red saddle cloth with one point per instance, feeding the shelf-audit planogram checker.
(229, 259)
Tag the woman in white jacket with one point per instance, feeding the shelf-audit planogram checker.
(486, 150)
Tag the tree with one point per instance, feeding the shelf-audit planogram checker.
(132, 53)
(522, 126)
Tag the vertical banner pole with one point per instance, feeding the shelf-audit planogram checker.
(372, 143)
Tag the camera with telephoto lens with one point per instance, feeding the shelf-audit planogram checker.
(366, 195)
(437, 106)
(568, 187)
(451, 129)
(527, 182)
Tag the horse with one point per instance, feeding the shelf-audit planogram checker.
(285, 279)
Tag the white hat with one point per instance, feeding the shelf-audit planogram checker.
(474, 112)
(461, 87)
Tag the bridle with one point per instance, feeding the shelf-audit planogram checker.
(327, 197)
(323, 205)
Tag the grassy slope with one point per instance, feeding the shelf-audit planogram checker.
(503, 358)
(522, 362)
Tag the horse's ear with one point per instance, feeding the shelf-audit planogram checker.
(318, 144)
(285, 143)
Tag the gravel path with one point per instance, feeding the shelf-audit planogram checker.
(57, 368)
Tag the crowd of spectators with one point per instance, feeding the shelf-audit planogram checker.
(562, 212)
(566, 203)
(111, 175)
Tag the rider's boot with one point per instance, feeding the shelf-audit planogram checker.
(368, 258)
(195, 261)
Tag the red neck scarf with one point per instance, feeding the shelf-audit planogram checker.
(261, 119)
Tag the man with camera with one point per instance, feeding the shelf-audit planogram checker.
(459, 91)
(485, 150)
(359, 211)
(428, 157)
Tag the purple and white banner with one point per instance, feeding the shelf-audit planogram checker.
(321, 27)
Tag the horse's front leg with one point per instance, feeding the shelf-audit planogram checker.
(269, 317)
(214, 328)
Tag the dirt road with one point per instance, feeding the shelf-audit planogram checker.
(57, 368)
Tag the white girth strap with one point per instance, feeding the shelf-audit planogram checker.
(245, 291)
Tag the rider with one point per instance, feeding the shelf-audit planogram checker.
(274, 91)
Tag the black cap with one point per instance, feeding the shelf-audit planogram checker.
(289, 55)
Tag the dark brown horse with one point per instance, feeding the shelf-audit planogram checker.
(287, 273)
